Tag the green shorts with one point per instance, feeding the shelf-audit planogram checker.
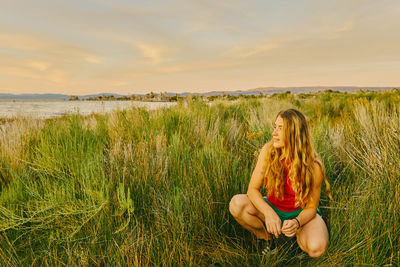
(288, 215)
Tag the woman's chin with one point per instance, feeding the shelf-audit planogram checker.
(277, 145)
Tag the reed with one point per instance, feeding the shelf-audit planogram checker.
(138, 187)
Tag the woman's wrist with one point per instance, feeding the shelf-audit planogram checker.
(298, 223)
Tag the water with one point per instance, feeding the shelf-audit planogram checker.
(45, 108)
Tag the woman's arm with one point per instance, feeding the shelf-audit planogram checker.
(308, 213)
(310, 210)
(272, 220)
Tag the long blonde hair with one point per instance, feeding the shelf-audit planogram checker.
(299, 154)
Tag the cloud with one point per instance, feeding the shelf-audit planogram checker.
(125, 8)
(346, 27)
(58, 76)
(173, 69)
(43, 46)
(39, 65)
(101, 44)
(211, 17)
(336, 32)
(41, 58)
(198, 27)
(92, 59)
(153, 52)
(245, 52)
(28, 69)
(146, 50)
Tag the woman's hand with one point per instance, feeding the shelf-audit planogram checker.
(273, 223)
(290, 227)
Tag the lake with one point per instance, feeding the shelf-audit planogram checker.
(45, 108)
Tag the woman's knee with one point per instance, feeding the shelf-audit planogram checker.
(237, 205)
(317, 248)
(313, 237)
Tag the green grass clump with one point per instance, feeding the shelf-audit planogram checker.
(138, 187)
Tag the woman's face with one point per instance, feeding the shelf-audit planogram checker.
(277, 135)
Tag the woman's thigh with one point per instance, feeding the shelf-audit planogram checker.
(313, 236)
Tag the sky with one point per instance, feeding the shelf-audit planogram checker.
(125, 46)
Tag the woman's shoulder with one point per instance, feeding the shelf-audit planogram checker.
(317, 164)
(265, 151)
(318, 170)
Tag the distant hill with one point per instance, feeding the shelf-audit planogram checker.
(50, 96)
(34, 96)
(311, 89)
(272, 90)
(298, 90)
(255, 91)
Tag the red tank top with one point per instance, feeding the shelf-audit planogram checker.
(289, 199)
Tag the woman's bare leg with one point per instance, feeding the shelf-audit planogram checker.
(313, 237)
(248, 216)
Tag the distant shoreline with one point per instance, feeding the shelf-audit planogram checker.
(254, 91)
(44, 108)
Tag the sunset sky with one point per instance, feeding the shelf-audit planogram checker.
(120, 46)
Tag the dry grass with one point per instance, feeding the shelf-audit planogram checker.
(141, 188)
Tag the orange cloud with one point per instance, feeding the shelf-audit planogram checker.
(153, 52)
(36, 56)
(346, 27)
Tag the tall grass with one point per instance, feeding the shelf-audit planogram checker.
(138, 187)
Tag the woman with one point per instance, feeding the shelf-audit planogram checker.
(293, 175)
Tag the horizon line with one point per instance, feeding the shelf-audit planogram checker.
(265, 88)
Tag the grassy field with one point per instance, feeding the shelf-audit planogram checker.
(139, 187)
